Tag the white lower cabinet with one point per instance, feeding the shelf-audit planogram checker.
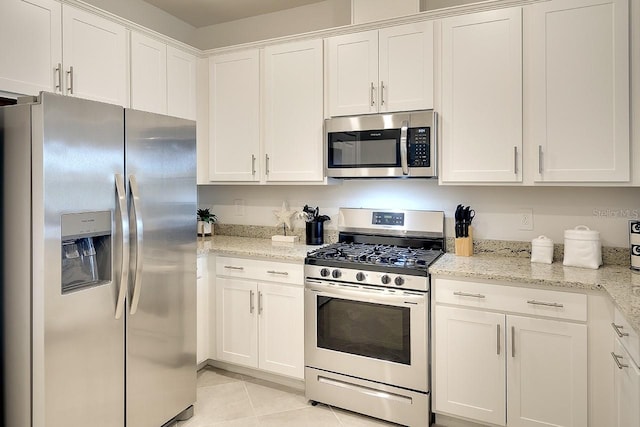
(627, 388)
(259, 321)
(506, 369)
(202, 309)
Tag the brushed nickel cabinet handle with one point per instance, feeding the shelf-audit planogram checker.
(618, 331)
(513, 341)
(70, 74)
(617, 359)
(540, 159)
(251, 302)
(515, 160)
(253, 164)
(231, 267)
(58, 71)
(259, 302)
(283, 273)
(498, 337)
(464, 294)
(547, 304)
(381, 92)
(266, 164)
(373, 102)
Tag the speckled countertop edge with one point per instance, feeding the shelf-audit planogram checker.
(620, 283)
(253, 247)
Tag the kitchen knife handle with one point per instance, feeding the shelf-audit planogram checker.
(124, 224)
(373, 102)
(253, 164)
(404, 147)
(137, 278)
(70, 74)
(58, 71)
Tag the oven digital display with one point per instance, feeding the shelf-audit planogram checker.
(388, 218)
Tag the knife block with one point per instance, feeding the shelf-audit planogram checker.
(464, 245)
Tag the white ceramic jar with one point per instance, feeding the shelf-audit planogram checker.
(582, 248)
(542, 250)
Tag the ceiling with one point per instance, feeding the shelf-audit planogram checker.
(201, 13)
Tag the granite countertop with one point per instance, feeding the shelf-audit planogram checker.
(620, 283)
(252, 247)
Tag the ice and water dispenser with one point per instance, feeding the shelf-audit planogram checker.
(86, 250)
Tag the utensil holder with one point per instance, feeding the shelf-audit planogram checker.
(464, 245)
(315, 232)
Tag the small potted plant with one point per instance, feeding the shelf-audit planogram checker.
(205, 222)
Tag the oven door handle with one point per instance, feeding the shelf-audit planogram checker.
(365, 294)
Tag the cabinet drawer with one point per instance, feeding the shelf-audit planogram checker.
(271, 271)
(627, 335)
(534, 302)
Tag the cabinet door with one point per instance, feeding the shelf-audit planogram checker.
(627, 388)
(95, 57)
(482, 97)
(202, 310)
(181, 83)
(234, 84)
(578, 88)
(236, 321)
(148, 74)
(353, 74)
(469, 364)
(31, 46)
(406, 67)
(547, 373)
(293, 112)
(281, 326)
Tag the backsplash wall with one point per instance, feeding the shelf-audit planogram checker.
(555, 209)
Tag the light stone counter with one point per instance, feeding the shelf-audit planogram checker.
(620, 283)
(252, 247)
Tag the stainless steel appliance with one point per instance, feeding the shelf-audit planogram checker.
(367, 314)
(99, 246)
(399, 145)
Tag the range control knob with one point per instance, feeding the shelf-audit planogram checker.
(385, 279)
(360, 276)
(336, 274)
(325, 272)
(399, 281)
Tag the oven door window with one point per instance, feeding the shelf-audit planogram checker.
(372, 330)
(364, 149)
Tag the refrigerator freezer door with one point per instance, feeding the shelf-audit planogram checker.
(78, 148)
(161, 331)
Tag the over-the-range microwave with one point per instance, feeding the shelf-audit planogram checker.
(398, 145)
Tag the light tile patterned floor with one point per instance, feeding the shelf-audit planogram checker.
(226, 399)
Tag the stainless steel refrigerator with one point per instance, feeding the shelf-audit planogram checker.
(99, 258)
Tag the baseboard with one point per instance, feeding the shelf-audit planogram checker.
(255, 373)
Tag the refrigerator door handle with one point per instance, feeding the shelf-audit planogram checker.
(137, 278)
(124, 224)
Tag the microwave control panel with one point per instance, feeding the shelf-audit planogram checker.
(419, 147)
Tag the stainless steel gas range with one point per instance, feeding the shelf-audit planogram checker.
(367, 314)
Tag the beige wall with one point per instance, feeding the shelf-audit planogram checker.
(313, 17)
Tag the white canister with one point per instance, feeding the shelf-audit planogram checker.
(542, 250)
(582, 248)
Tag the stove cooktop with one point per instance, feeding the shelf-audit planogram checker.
(374, 257)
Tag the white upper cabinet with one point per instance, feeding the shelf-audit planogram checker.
(95, 57)
(234, 109)
(181, 83)
(353, 73)
(31, 46)
(481, 111)
(380, 71)
(148, 74)
(163, 78)
(577, 78)
(293, 111)
(406, 67)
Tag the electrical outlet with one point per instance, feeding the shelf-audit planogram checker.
(239, 207)
(525, 221)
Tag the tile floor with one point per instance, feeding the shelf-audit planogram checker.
(226, 399)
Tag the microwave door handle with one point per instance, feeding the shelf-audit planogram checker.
(403, 147)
